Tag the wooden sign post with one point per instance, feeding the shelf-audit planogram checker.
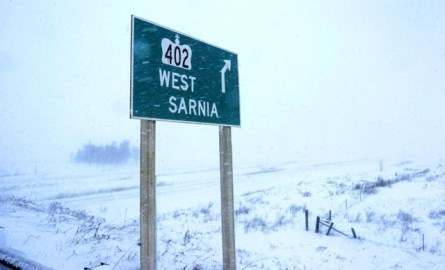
(148, 195)
(227, 217)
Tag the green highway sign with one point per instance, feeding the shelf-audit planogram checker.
(175, 77)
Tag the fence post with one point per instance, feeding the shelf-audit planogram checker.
(353, 233)
(317, 224)
(306, 213)
(330, 227)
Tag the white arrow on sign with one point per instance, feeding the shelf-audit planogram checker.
(223, 76)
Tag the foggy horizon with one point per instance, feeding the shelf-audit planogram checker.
(319, 81)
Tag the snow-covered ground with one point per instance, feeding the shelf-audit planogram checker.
(89, 216)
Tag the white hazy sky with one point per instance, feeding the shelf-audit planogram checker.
(319, 80)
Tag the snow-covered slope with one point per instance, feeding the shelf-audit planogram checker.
(89, 217)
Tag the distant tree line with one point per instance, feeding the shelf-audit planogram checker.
(106, 154)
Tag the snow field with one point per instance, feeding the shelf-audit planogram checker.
(92, 218)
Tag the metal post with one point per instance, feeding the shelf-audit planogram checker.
(227, 218)
(306, 214)
(148, 195)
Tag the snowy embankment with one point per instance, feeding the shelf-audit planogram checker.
(90, 217)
